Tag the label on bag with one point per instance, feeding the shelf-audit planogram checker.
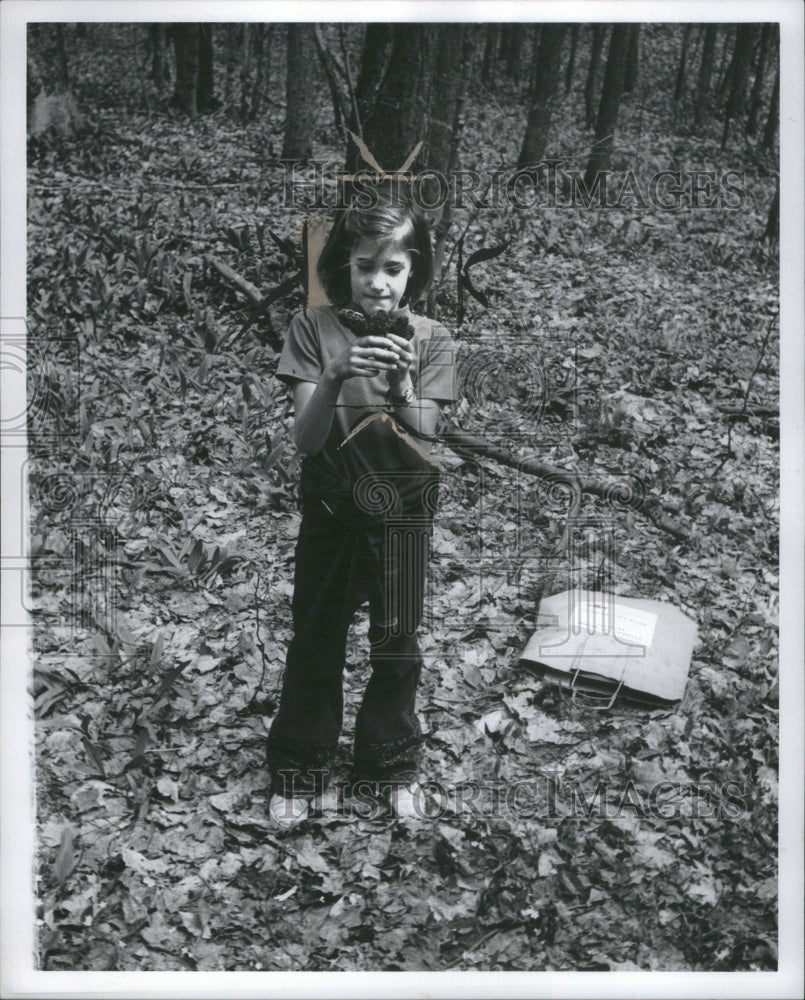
(633, 626)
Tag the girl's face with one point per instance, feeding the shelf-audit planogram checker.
(378, 274)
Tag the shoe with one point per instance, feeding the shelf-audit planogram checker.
(288, 813)
(407, 801)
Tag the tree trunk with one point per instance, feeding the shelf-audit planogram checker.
(772, 232)
(374, 63)
(231, 48)
(738, 73)
(546, 82)
(442, 227)
(512, 49)
(262, 61)
(724, 67)
(679, 86)
(63, 75)
(399, 118)
(300, 94)
(757, 86)
(571, 59)
(205, 90)
(632, 60)
(488, 74)
(770, 132)
(160, 70)
(532, 73)
(610, 101)
(245, 111)
(185, 47)
(596, 47)
(447, 86)
(57, 111)
(705, 73)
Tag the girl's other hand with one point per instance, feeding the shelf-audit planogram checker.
(367, 356)
(405, 358)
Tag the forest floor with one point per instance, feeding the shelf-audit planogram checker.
(168, 502)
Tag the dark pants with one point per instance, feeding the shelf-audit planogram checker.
(340, 563)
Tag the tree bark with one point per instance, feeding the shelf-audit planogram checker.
(738, 73)
(772, 232)
(262, 31)
(63, 74)
(490, 55)
(546, 84)
(705, 73)
(772, 122)
(374, 63)
(512, 49)
(185, 47)
(757, 86)
(724, 66)
(160, 70)
(571, 59)
(399, 117)
(442, 227)
(596, 47)
(679, 85)
(610, 102)
(452, 50)
(632, 60)
(300, 95)
(205, 90)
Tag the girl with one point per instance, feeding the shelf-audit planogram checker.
(367, 499)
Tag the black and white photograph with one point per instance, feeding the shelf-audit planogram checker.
(402, 554)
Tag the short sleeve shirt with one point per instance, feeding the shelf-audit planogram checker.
(314, 339)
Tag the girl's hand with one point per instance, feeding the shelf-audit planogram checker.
(405, 358)
(366, 357)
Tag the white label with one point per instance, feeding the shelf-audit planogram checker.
(630, 625)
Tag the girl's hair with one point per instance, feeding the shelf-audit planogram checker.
(385, 213)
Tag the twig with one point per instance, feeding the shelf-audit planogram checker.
(258, 641)
(742, 412)
(249, 290)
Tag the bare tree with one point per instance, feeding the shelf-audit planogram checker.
(185, 47)
(679, 85)
(491, 43)
(632, 61)
(596, 47)
(737, 74)
(548, 59)
(300, 93)
(757, 86)
(399, 117)
(610, 102)
(705, 73)
(772, 121)
(374, 62)
(571, 58)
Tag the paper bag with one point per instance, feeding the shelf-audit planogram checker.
(603, 645)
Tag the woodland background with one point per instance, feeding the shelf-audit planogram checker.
(163, 514)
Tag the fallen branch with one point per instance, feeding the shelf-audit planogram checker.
(249, 290)
(469, 446)
(750, 411)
